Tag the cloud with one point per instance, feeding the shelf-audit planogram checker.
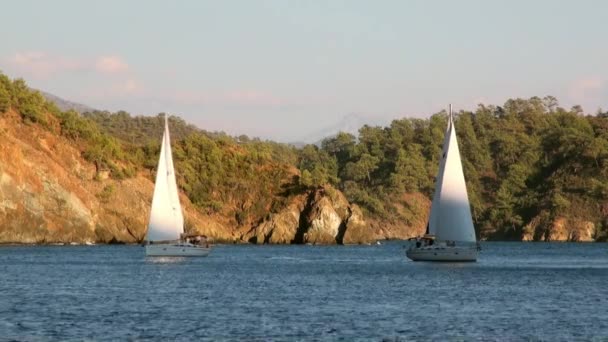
(114, 89)
(111, 64)
(42, 65)
(128, 87)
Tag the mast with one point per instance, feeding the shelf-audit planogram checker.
(450, 112)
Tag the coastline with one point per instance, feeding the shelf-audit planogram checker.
(226, 243)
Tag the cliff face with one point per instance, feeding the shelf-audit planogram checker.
(543, 228)
(320, 216)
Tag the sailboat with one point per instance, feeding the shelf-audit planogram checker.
(450, 234)
(165, 236)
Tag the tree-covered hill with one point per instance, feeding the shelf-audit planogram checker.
(532, 167)
(534, 170)
(139, 130)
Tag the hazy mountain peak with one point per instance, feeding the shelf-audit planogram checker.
(64, 104)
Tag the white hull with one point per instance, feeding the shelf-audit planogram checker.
(442, 253)
(177, 250)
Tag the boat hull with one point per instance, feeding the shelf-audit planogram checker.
(177, 250)
(441, 253)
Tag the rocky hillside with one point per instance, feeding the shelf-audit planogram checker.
(534, 171)
(49, 193)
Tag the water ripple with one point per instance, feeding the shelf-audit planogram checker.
(517, 291)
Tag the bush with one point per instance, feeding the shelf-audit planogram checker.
(106, 193)
(31, 104)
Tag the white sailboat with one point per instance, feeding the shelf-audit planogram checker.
(450, 234)
(166, 226)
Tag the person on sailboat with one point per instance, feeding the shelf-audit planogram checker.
(201, 240)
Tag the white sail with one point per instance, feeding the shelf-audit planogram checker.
(166, 218)
(173, 190)
(450, 217)
(432, 224)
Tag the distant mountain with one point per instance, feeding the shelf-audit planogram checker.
(64, 104)
(350, 123)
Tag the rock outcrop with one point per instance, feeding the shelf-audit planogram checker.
(571, 230)
(543, 228)
(357, 229)
(320, 216)
(324, 217)
(279, 227)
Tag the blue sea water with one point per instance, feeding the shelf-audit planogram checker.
(516, 291)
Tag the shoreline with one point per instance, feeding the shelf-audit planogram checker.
(379, 242)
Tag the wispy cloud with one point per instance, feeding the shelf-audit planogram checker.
(116, 89)
(130, 86)
(586, 88)
(42, 65)
(111, 64)
(107, 75)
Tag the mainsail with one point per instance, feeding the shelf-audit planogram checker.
(431, 227)
(166, 218)
(450, 217)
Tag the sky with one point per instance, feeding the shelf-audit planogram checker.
(286, 69)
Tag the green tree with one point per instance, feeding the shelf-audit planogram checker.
(5, 93)
(410, 174)
(319, 163)
(30, 103)
(306, 179)
(362, 169)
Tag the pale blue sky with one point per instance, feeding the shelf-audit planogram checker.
(284, 69)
